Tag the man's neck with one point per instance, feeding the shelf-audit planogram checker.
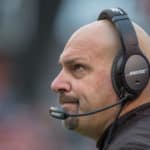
(134, 104)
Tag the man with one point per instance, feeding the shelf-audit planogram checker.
(86, 83)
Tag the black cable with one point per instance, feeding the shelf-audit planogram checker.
(108, 139)
(103, 109)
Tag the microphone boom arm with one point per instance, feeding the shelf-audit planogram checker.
(61, 114)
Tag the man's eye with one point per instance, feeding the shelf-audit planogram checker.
(78, 68)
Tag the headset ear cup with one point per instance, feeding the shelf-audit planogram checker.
(130, 75)
(116, 73)
(136, 73)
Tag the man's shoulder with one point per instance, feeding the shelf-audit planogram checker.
(133, 131)
(133, 145)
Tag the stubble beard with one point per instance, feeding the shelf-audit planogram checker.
(70, 105)
(71, 123)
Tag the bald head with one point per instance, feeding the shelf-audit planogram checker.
(102, 39)
(86, 75)
(143, 39)
(100, 36)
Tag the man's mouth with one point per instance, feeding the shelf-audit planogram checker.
(69, 104)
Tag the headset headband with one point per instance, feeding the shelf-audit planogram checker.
(126, 31)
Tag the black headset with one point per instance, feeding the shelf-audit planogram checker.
(130, 69)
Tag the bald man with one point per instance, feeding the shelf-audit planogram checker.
(85, 84)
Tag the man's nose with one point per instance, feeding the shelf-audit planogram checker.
(61, 83)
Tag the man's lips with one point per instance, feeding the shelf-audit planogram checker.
(70, 107)
(69, 104)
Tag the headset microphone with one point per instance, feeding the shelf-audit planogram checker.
(59, 113)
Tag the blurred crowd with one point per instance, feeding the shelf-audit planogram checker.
(32, 34)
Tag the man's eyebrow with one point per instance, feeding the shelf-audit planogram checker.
(70, 61)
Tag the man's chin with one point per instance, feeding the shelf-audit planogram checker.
(71, 123)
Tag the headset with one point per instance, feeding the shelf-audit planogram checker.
(130, 69)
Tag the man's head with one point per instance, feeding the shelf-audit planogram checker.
(86, 76)
(84, 82)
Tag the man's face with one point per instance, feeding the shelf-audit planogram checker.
(84, 84)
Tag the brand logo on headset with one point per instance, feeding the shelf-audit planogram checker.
(137, 72)
(116, 10)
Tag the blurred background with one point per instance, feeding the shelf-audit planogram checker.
(32, 35)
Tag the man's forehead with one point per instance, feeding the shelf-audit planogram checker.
(80, 45)
(70, 54)
(93, 40)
